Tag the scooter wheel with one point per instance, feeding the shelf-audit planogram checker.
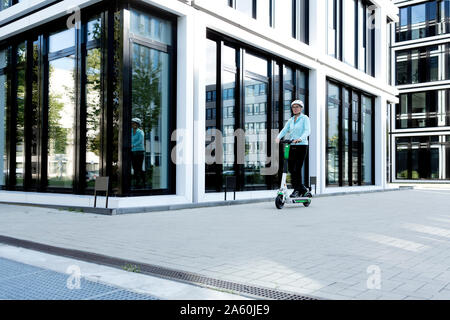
(307, 204)
(279, 203)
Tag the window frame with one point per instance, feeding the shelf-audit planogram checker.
(353, 92)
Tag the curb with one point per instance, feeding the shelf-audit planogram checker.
(131, 210)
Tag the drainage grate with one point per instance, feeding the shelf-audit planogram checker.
(33, 283)
(171, 274)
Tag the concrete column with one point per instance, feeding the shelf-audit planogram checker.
(380, 141)
(199, 110)
(317, 99)
(185, 108)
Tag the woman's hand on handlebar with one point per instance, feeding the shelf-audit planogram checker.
(277, 140)
(297, 141)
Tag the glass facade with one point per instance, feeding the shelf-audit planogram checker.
(150, 100)
(61, 109)
(5, 84)
(424, 64)
(423, 157)
(427, 109)
(244, 110)
(351, 33)
(350, 136)
(68, 97)
(423, 20)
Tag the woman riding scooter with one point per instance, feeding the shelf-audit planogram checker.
(298, 127)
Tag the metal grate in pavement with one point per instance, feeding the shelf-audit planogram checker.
(171, 274)
(33, 283)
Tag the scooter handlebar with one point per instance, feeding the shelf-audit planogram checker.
(286, 141)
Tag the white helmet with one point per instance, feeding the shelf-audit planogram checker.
(297, 102)
(137, 120)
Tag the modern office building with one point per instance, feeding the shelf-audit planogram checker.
(211, 82)
(420, 130)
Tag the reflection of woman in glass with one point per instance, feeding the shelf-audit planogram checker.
(137, 151)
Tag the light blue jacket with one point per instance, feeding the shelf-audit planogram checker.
(137, 140)
(300, 129)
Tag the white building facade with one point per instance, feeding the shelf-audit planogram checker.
(211, 83)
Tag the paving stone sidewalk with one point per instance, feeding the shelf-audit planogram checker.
(388, 245)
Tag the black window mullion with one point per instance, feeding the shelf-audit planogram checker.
(44, 101)
(219, 115)
(269, 118)
(409, 110)
(360, 141)
(294, 20)
(339, 36)
(80, 145)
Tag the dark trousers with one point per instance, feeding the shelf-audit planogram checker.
(297, 155)
(137, 157)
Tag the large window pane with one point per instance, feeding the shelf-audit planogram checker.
(255, 131)
(210, 92)
(151, 27)
(355, 139)
(302, 20)
(150, 105)
(425, 64)
(20, 120)
(3, 116)
(447, 157)
(288, 78)
(418, 19)
(402, 153)
(245, 6)
(93, 115)
(35, 117)
(333, 135)
(255, 121)
(62, 40)
(346, 136)
(228, 123)
(61, 120)
(419, 107)
(366, 132)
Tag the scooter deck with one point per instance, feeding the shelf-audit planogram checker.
(298, 200)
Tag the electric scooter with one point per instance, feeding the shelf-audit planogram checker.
(282, 195)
